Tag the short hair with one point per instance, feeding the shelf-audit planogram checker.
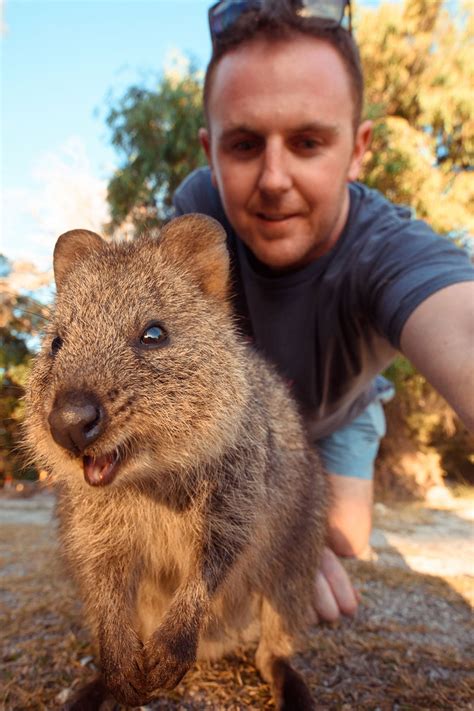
(280, 24)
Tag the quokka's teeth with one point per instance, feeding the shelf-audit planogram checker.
(100, 471)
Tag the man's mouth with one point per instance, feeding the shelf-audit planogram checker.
(100, 471)
(270, 217)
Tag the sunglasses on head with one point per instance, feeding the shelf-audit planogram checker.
(223, 14)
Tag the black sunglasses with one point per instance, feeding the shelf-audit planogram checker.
(223, 14)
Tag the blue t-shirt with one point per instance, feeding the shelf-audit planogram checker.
(333, 325)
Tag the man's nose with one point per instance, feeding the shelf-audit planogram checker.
(275, 176)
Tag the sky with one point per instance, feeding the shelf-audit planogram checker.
(61, 60)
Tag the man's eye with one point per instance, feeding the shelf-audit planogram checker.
(307, 144)
(154, 335)
(244, 146)
(56, 344)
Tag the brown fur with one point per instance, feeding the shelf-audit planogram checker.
(211, 531)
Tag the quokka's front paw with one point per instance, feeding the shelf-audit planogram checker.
(169, 655)
(123, 669)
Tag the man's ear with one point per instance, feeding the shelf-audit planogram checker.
(205, 141)
(361, 143)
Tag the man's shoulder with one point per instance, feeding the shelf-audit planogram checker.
(395, 260)
(197, 194)
(369, 206)
(198, 178)
(376, 224)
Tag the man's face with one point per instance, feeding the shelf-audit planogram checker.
(281, 147)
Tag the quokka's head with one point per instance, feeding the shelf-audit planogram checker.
(140, 370)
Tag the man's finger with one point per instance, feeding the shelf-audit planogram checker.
(325, 603)
(339, 582)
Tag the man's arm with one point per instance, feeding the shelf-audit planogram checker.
(438, 338)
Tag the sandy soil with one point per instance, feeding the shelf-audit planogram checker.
(409, 646)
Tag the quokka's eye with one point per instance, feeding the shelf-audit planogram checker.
(56, 344)
(154, 335)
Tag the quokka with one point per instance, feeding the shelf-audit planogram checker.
(191, 508)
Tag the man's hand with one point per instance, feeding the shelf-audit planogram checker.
(349, 525)
(334, 592)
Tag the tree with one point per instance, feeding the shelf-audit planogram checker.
(155, 130)
(418, 61)
(21, 318)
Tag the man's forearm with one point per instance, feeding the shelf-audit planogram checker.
(438, 338)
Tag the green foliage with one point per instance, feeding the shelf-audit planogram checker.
(12, 382)
(20, 318)
(418, 62)
(400, 371)
(155, 131)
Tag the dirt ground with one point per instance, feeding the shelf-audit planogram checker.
(408, 648)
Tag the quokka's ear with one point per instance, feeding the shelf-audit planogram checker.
(199, 243)
(70, 249)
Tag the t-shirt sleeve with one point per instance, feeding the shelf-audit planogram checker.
(409, 263)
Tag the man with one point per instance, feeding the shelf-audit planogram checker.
(331, 280)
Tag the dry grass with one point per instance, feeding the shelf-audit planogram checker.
(407, 650)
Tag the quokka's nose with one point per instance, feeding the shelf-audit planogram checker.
(76, 420)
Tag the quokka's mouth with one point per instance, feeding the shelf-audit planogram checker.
(100, 471)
